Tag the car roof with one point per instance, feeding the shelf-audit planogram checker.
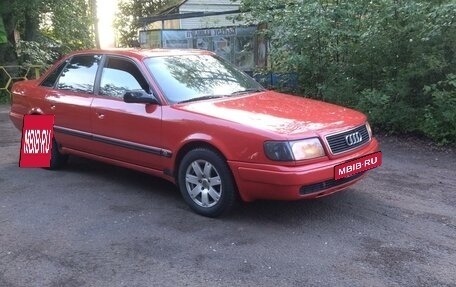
(140, 53)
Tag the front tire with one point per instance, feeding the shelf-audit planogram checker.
(206, 183)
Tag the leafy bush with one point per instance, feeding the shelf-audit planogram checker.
(440, 116)
(376, 105)
(34, 53)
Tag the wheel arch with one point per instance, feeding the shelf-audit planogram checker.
(190, 146)
(36, 111)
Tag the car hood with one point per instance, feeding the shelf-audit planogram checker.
(279, 113)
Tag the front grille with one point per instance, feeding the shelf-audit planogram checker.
(337, 142)
(316, 187)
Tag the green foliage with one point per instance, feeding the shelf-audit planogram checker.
(69, 25)
(440, 116)
(3, 38)
(4, 97)
(376, 56)
(34, 53)
(376, 105)
(57, 25)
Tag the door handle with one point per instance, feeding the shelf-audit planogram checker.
(52, 107)
(100, 116)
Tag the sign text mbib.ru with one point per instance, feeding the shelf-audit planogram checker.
(36, 144)
(360, 164)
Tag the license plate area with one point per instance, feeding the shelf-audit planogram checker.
(357, 165)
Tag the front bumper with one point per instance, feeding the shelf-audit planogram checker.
(263, 181)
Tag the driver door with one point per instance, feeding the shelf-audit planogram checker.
(128, 132)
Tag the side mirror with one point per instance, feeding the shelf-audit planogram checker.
(139, 97)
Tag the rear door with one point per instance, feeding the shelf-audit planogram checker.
(128, 132)
(69, 98)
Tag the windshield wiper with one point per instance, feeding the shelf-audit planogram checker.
(208, 97)
(247, 91)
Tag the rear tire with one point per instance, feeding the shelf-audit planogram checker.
(58, 160)
(206, 182)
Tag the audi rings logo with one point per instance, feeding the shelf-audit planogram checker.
(353, 138)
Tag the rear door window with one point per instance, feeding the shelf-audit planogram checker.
(79, 74)
(52, 77)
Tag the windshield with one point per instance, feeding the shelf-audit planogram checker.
(193, 77)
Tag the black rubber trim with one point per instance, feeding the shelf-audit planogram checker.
(115, 142)
(319, 186)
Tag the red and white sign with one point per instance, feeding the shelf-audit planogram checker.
(357, 165)
(36, 141)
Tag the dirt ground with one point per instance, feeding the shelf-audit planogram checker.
(91, 224)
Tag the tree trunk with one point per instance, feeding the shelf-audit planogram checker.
(31, 26)
(93, 10)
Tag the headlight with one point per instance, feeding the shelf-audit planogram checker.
(294, 150)
(280, 151)
(307, 149)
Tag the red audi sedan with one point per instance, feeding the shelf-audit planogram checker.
(190, 117)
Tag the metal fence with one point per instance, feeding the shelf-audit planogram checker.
(11, 74)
